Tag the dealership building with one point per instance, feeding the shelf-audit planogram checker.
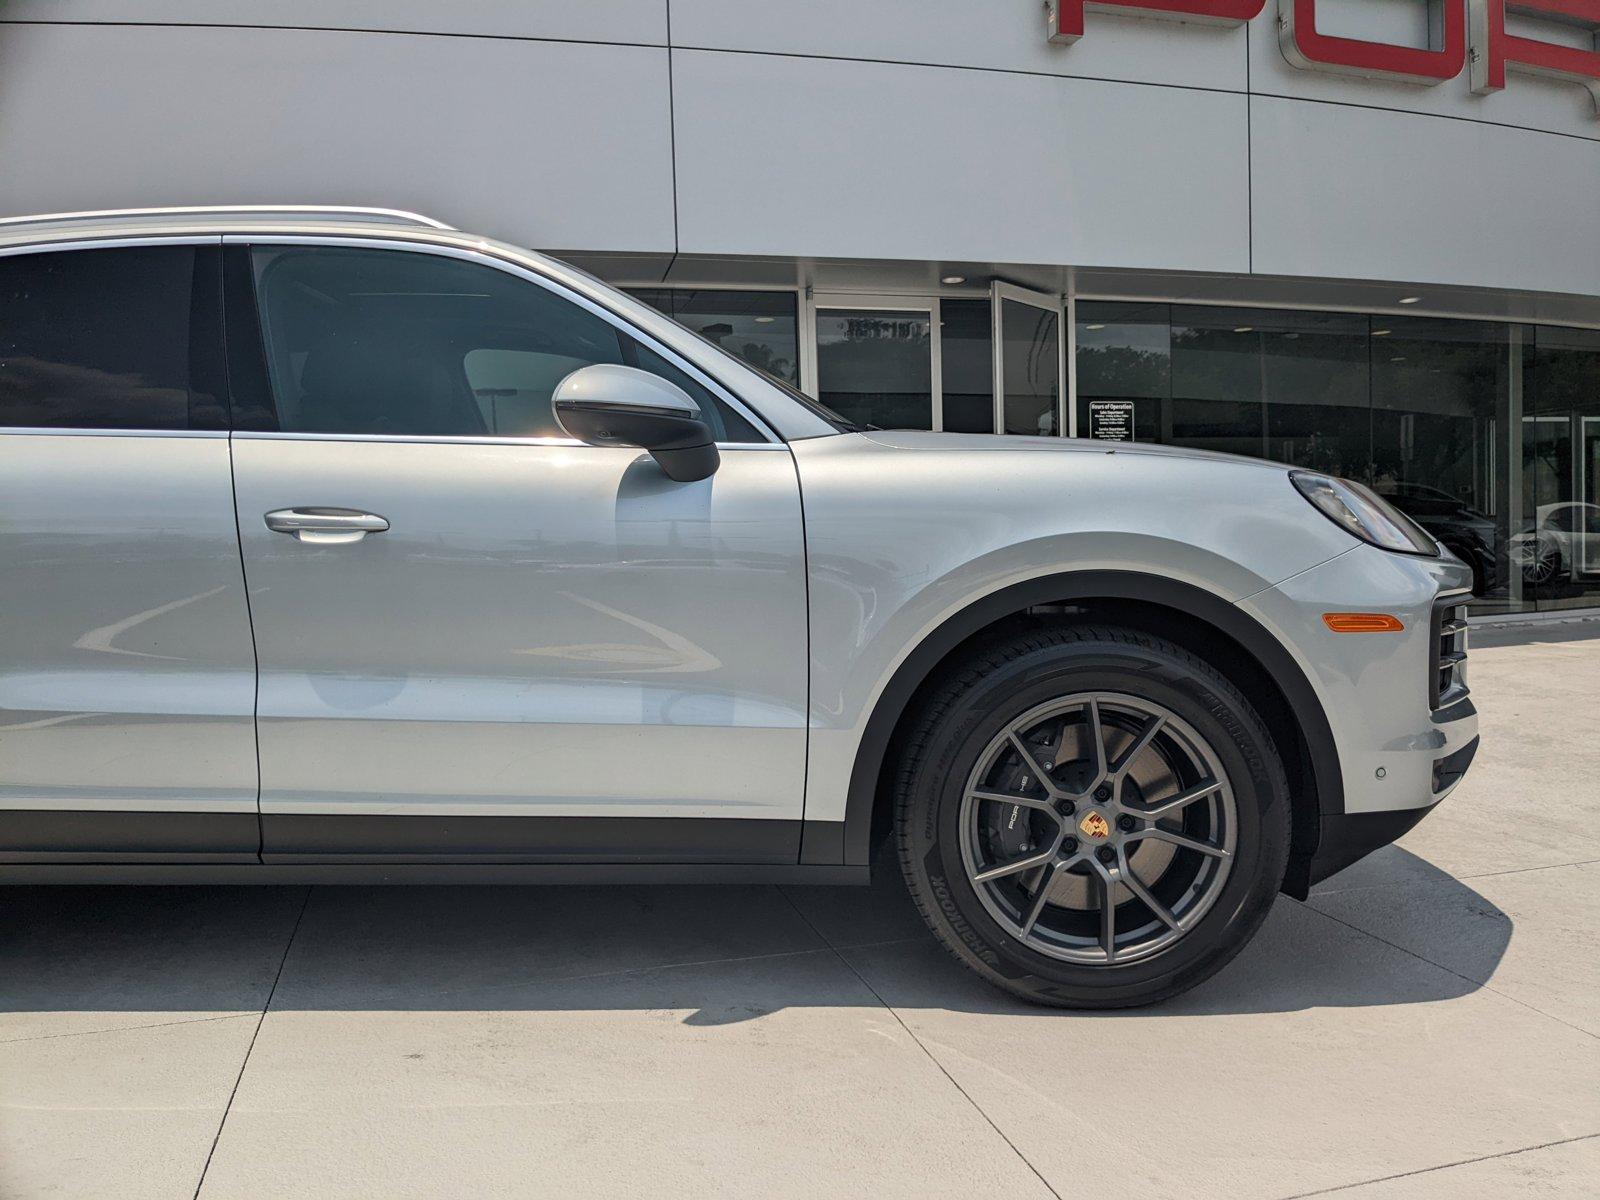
(1358, 235)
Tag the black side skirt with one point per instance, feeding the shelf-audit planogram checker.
(87, 836)
(616, 840)
(46, 846)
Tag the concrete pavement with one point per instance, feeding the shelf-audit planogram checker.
(1427, 1026)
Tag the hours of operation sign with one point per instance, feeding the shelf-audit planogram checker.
(1111, 420)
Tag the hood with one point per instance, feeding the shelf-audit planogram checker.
(915, 439)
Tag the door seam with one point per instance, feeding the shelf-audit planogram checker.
(244, 573)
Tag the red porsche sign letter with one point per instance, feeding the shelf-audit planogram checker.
(1466, 31)
(1304, 47)
(1066, 16)
(1493, 49)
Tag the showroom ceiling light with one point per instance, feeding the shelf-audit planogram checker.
(1245, 329)
(1410, 299)
(1382, 332)
(1094, 326)
(952, 280)
(765, 320)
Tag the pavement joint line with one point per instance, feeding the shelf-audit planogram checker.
(45, 1037)
(1421, 883)
(1480, 983)
(910, 1033)
(260, 1020)
(1465, 1162)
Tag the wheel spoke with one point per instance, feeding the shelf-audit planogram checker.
(1015, 865)
(1146, 736)
(1172, 804)
(1031, 761)
(1040, 897)
(1137, 887)
(1108, 915)
(1097, 735)
(1180, 839)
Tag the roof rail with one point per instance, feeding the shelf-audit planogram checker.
(306, 212)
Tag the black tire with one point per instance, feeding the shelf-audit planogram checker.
(973, 701)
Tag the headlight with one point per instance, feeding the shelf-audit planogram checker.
(1364, 513)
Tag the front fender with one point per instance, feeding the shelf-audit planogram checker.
(909, 553)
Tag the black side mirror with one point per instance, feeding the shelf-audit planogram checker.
(607, 405)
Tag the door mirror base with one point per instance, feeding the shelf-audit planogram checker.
(690, 464)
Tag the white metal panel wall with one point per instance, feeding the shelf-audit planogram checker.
(1394, 196)
(916, 129)
(633, 21)
(543, 143)
(1001, 35)
(808, 156)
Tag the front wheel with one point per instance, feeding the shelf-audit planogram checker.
(1091, 817)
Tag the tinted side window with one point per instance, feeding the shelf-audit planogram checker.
(121, 338)
(398, 342)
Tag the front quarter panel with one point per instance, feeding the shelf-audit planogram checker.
(901, 540)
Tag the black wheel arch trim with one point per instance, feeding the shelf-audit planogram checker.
(1068, 587)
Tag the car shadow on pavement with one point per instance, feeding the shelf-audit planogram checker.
(716, 954)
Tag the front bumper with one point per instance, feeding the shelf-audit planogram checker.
(1402, 741)
(1346, 838)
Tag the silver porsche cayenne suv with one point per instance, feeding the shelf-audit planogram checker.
(338, 545)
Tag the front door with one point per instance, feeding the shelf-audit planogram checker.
(477, 638)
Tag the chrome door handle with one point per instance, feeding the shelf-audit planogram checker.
(325, 526)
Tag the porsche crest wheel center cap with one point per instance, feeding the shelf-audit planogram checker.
(1094, 826)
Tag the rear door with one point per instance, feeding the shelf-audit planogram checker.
(501, 644)
(127, 681)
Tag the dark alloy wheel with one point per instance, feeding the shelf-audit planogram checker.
(1091, 817)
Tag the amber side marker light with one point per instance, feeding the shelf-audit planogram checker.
(1363, 623)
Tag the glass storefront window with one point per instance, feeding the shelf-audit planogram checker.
(1556, 547)
(1281, 385)
(1413, 407)
(762, 328)
(1125, 356)
(1440, 399)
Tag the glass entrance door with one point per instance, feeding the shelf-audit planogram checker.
(877, 363)
(971, 363)
(1030, 364)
